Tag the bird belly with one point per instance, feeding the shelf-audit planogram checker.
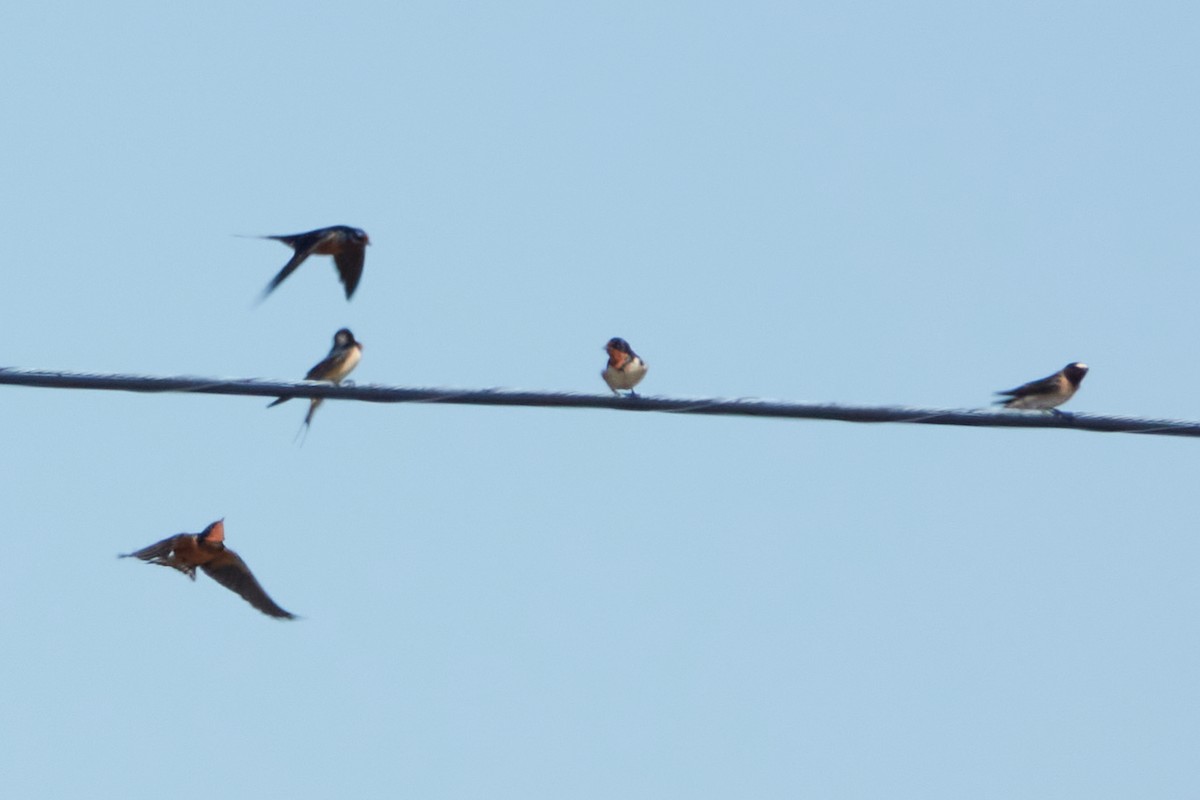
(347, 366)
(1040, 402)
(627, 378)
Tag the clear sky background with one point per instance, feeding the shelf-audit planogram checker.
(913, 203)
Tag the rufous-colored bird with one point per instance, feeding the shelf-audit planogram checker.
(207, 550)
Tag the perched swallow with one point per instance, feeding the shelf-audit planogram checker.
(625, 369)
(207, 550)
(1047, 393)
(341, 361)
(347, 245)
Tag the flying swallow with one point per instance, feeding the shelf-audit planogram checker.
(625, 369)
(1047, 393)
(207, 550)
(347, 245)
(341, 361)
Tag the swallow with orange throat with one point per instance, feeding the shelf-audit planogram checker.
(1048, 393)
(625, 369)
(207, 550)
(347, 245)
(341, 361)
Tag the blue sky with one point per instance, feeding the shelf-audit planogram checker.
(861, 202)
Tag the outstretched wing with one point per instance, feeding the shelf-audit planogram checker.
(305, 244)
(349, 263)
(230, 571)
(162, 553)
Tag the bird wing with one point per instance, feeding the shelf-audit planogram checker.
(326, 367)
(320, 372)
(349, 263)
(230, 571)
(160, 553)
(1043, 386)
(304, 245)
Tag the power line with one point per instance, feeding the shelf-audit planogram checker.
(743, 407)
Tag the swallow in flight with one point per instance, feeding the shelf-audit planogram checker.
(207, 550)
(625, 369)
(347, 245)
(341, 361)
(1047, 393)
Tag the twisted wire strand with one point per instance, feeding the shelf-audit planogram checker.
(740, 407)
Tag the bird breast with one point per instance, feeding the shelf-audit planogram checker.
(635, 370)
(347, 364)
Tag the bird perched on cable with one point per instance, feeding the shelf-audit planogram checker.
(347, 245)
(625, 369)
(1047, 393)
(207, 550)
(341, 361)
